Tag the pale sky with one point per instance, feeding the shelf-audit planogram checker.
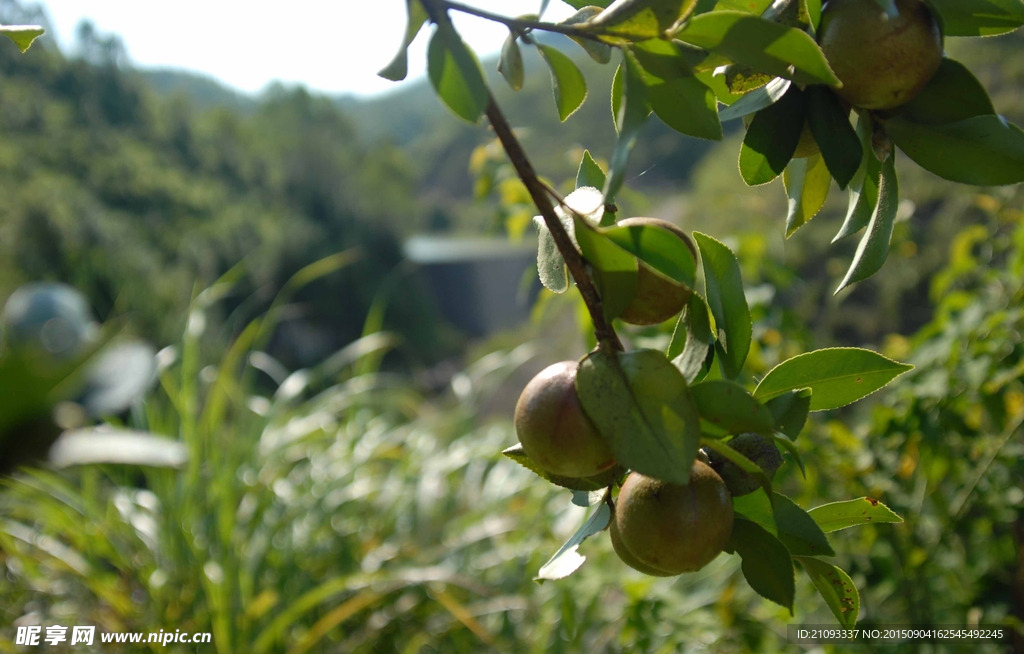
(329, 46)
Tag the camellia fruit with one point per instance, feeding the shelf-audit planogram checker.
(667, 529)
(882, 58)
(656, 299)
(553, 429)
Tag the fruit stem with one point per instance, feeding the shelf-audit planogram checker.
(539, 193)
(520, 25)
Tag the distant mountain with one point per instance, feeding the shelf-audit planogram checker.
(203, 90)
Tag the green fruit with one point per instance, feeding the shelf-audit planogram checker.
(882, 60)
(668, 529)
(553, 429)
(759, 449)
(656, 299)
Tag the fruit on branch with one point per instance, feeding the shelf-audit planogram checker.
(656, 299)
(667, 529)
(883, 58)
(553, 429)
(759, 449)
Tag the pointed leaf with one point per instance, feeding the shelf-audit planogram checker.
(630, 109)
(662, 251)
(550, 263)
(767, 565)
(756, 100)
(836, 588)
(567, 559)
(22, 35)
(772, 137)
(595, 483)
(790, 411)
(679, 99)
(851, 513)
(399, 66)
(456, 75)
(983, 150)
(614, 269)
(639, 20)
(641, 405)
(830, 124)
(836, 376)
(590, 172)
(763, 45)
(693, 343)
(979, 17)
(864, 186)
(873, 248)
(567, 81)
(728, 303)
(598, 51)
(728, 408)
(510, 63)
(953, 94)
(782, 518)
(807, 181)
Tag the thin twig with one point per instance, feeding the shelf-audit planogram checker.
(522, 25)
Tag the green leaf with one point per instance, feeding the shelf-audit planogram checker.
(835, 587)
(952, 95)
(693, 343)
(738, 459)
(873, 248)
(663, 251)
(851, 513)
(22, 35)
(416, 16)
(569, 86)
(864, 186)
(638, 20)
(979, 17)
(767, 565)
(836, 376)
(510, 63)
(761, 44)
(983, 150)
(641, 405)
(597, 482)
(830, 124)
(772, 138)
(807, 181)
(614, 269)
(567, 559)
(598, 51)
(756, 100)
(790, 411)
(630, 109)
(550, 263)
(784, 519)
(590, 172)
(581, 4)
(456, 75)
(727, 301)
(679, 99)
(730, 409)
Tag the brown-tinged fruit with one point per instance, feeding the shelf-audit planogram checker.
(668, 529)
(882, 60)
(657, 299)
(553, 429)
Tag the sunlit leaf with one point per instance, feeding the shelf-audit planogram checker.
(851, 513)
(567, 559)
(399, 66)
(807, 181)
(979, 17)
(510, 63)
(727, 301)
(22, 35)
(873, 248)
(836, 376)
(835, 587)
(676, 96)
(456, 75)
(567, 81)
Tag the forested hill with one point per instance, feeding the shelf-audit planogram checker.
(141, 198)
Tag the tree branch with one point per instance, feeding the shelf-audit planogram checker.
(603, 330)
(521, 25)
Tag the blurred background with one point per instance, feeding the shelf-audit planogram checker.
(341, 288)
